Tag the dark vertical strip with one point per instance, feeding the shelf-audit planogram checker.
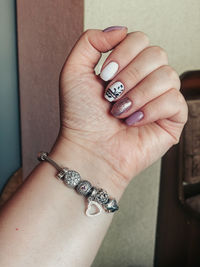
(9, 108)
(178, 228)
(47, 30)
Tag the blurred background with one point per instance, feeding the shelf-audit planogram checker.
(171, 24)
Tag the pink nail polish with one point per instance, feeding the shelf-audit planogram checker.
(114, 28)
(121, 106)
(135, 117)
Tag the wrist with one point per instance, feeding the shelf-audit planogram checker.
(90, 167)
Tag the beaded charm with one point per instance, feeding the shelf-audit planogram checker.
(98, 199)
(71, 178)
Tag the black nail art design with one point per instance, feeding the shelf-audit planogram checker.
(114, 91)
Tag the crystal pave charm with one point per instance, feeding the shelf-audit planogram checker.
(71, 178)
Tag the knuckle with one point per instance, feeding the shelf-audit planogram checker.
(176, 140)
(159, 52)
(185, 110)
(105, 43)
(86, 35)
(172, 75)
(133, 74)
(175, 94)
(102, 42)
(142, 36)
(181, 105)
(141, 96)
(181, 99)
(186, 113)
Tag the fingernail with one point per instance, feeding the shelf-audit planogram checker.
(135, 117)
(121, 106)
(114, 91)
(114, 28)
(109, 71)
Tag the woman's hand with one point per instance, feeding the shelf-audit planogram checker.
(44, 223)
(148, 89)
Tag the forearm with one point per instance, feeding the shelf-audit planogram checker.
(44, 224)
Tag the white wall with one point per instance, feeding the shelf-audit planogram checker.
(174, 25)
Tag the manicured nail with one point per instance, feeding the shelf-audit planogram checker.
(121, 106)
(109, 71)
(114, 28)
(114, 91)
(135, 117)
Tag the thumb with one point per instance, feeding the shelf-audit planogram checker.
(87, 50)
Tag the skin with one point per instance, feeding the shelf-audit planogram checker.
(52, 229)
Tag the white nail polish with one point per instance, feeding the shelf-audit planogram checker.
(109, 71)
(114, 91)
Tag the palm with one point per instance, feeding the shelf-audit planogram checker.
(86, 120)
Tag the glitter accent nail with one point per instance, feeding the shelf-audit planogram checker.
(121, 106)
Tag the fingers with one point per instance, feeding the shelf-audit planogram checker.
(142, 65)
(130, 47)
(87, 51)
(154, 85)
(145, 89)
(171, 105)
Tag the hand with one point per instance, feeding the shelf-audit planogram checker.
(151, 93)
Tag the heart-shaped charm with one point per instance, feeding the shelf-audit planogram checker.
(93, 209)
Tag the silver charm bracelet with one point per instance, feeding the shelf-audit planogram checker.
(98, 198)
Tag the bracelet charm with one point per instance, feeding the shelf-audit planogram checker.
(71, 178)
(84, 188)
(98, 199)
(93, 208)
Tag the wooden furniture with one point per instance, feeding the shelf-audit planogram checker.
(178, 226)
